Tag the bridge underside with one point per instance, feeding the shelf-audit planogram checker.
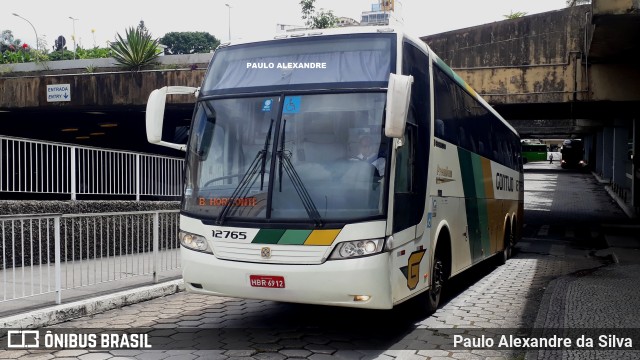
(566, 120)
(114, 128)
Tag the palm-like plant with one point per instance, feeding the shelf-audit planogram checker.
(137, 50)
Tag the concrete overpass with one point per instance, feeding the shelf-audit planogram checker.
(565, 73)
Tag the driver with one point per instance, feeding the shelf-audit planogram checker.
(369, 153)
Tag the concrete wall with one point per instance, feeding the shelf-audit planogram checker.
(615, 7)
(619, 82)
(532, 59)
(541, 39)
(24, 85)
(96, 90)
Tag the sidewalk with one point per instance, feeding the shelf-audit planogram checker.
(90, 306)
(599, 301)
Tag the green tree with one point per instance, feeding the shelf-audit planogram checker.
(317, 19)
(8, 42)
(138, 50)
(308, 10)
(324, 19)
(515, 15)
(188, 42)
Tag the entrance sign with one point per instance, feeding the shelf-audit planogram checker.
(58, 92)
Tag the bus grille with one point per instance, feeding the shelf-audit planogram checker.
(268, 253)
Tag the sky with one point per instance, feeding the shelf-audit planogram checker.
(99, 22)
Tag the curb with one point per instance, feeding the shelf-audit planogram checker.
(609, 251)
(621, 204)
(61, 313)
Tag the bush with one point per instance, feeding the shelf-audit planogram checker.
(136, 51)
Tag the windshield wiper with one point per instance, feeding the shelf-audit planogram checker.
(285, 162)
(264, 155)
(248, 179)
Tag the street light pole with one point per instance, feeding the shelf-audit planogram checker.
(229, 6)
(74, 36)
(34, 30)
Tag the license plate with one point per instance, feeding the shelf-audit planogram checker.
(267, 281)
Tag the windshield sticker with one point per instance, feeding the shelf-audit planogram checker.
(266, 105)
(287, 65)
(247, 202)
(292, 104)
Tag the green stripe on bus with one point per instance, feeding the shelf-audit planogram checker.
(470, 189)
(481, 205)
(482, 196)
(268, 236)
(294, 237)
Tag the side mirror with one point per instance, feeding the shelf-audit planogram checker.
(155, 113)
(398, 96)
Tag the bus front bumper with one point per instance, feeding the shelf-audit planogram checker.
(361, 282)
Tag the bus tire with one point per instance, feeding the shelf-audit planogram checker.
(432, 296)
(508, 247)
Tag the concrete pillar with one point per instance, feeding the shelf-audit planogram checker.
(607, 153)
(599, 154)
(620, 140)
(587, 143)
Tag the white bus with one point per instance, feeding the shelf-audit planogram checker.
(347, 167)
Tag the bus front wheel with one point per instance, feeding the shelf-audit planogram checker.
(437, 280)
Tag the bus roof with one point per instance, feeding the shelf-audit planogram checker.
(314, 32)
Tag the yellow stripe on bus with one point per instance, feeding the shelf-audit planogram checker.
(322, 237)
(487, 178)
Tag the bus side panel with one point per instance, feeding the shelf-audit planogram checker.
(508, 188)
(448, 204)
(410, 264)
(482, 198)
(487, 186)
(474, 177)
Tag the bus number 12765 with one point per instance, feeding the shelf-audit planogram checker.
(241, 235)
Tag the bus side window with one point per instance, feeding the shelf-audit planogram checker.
(439, 128)
(404, 192)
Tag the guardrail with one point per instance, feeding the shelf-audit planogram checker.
(31, 166)
(49, 253)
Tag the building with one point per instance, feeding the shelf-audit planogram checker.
(345, 21)
(383, 12)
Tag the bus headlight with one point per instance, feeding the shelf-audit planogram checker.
(356, 248)
(194, 242)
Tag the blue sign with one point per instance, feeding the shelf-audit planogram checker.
(266, 105)
(428, 220)
(292, 104)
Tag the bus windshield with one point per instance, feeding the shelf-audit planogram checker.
(322, 160)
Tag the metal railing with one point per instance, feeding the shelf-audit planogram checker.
(49, 253)
(31, 166)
